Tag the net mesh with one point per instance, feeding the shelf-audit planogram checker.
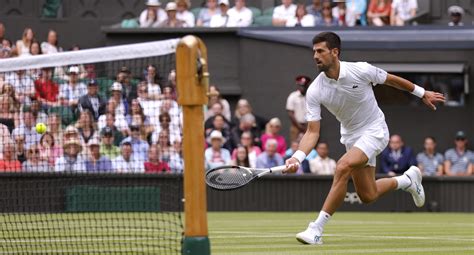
(90, 152)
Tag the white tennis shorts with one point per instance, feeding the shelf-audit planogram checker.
(371, 141)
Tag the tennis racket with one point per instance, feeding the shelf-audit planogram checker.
(234, 177)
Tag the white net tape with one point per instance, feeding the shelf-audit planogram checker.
(111, 53)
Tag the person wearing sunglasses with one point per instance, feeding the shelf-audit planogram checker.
(459, 161)
(33, 161)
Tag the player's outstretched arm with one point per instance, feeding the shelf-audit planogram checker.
(430, 98)
(307, 143)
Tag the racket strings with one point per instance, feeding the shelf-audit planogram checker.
(228, 178)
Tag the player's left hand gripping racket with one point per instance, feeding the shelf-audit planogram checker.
(234, 177)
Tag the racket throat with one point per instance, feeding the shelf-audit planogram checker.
(268, 171)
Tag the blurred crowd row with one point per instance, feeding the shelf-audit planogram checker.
(219, 13)
(135, 127)
(132, 123)
(127, 123)
(28, 44)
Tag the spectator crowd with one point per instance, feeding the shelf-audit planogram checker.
(456, 161)
(135, 125)
(322, 13)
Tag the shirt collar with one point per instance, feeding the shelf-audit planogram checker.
(342, 71)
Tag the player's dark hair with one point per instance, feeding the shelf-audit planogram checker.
(332, 40)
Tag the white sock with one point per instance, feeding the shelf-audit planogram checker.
(403, 181)
(322, 219)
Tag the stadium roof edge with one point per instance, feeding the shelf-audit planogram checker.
(416, 38)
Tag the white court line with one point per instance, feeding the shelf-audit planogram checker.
(235, 234)
(259, 235)
(361, 222)
(344, 222)
(337, 250)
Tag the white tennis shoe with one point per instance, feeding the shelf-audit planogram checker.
(312, 235)
(415, 188)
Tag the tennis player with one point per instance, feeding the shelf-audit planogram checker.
(345, 89)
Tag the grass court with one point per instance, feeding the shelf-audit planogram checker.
(274, 233)
(238, 233)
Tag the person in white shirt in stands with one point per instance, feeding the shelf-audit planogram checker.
(184, 14)
(23, 85)
(205, 15)
(151, 80)
(51, 45)
(172, 20)
(23, 45)
(283, 12)
(126, 163)
(151, 19)
(34, 163)
(72, 160)
(295, 106)
(70, 92)
(455, 15)
(152, 5)
(301, 18)
(402, 10)
(345, 89)
(221, 19)
(240, 15)
(323, 164)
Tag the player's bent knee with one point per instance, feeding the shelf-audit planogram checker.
(343, 168)
(367, 198)
(342, 174)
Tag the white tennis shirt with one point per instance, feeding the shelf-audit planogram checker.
(350, 98)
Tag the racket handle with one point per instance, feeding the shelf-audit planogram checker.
(277, 169)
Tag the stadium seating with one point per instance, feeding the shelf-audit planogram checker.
(263, 21)
(196, 11)
(129, 23)
(255, 11)
(268, 11)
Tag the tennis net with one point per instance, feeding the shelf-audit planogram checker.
(90, 152)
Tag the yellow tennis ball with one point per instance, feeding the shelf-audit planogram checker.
(40, 128)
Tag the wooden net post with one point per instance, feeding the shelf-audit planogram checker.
(193, 81)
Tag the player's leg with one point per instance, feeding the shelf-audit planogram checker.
(353, 159)
(367, 188)
(370, 190)
(372, 143)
